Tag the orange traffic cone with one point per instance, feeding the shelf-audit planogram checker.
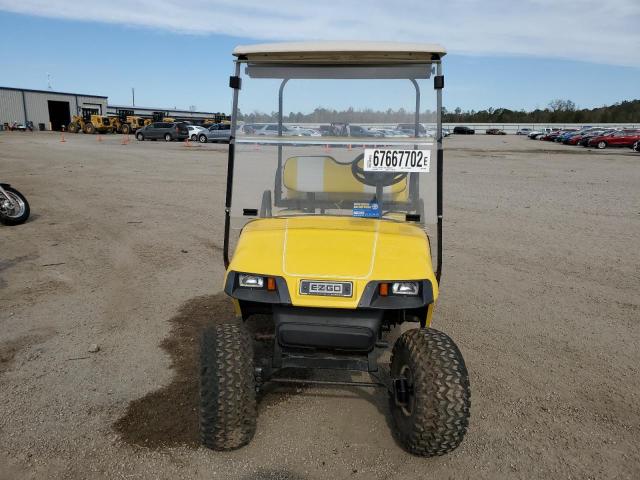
(99, 139)
(187, 143)
(349, 147)
(125, 140)
(256, 146)
(62, 140)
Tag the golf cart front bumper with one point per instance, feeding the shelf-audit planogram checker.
(322, 326)
(327, 328)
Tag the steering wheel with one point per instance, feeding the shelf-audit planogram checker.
(375, 179)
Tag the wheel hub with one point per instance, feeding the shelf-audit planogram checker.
(403, 391)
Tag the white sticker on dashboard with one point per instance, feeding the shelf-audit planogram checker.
(395, 160)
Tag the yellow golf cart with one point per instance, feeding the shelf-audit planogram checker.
(327, 236)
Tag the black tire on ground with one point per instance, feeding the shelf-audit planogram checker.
(202, 138)
(89, 128)
(167, 137)
(602, 145)
(73, 127)
(227, 387)
(21, 215)
(194, 137)
(125, 129)
(140, 137)
(435, 419)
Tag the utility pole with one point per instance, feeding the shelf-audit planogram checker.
(133, 96)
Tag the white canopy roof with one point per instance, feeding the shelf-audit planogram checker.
(337, 52)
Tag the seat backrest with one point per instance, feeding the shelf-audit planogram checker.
(324, 175)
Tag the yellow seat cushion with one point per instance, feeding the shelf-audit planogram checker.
(323, 174)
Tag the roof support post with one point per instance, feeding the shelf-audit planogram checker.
(278, 185)
(440, 162)
(417, 113)
(230, 163)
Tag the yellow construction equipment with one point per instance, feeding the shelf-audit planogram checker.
(126, 123)
(90, 124)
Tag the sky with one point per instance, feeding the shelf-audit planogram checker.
(177, 53)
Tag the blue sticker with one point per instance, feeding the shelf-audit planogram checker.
(366, 209)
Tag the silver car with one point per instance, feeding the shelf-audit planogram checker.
(219, 132)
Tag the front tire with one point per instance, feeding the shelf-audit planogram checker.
(125, 129)
(602, 145)
(202, 138)
(19, 213)
(89, 128)
(435, 417)
(140, 137)
(73, 127)
(227, 388)
(194, 137)
(167, 137)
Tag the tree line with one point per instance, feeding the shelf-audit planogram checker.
(557, 111)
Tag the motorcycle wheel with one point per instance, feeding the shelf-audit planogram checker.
(19, 213)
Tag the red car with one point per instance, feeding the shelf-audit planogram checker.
(574, 140)
(624, 138)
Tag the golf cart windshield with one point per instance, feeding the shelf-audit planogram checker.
(351, 154)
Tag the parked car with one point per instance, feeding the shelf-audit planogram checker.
(250, 128)
(494, 131)
(359, 131)
(584, 141)
(463, 131)
(271, 129)
(536, 134)
(551, 136)
(387, 132)
(194, 130)
(524, 131)
(624, 138)
(577, 136)
(410, 129)
(218, 132)
(310, 132)
(168, 130)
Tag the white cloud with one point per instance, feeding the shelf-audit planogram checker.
(600, 31)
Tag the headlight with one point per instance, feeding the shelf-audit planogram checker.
(251, 281)
(405, 288)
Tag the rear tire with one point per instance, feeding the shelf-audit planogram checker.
(73, 127)
(194, 137)
(125, 129)
(140, 137)
(227, 388)
(89, 128)
(167, 137)
(602, 145)
(435, 418)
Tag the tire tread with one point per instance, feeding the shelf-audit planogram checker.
(227, 388)
(442, 407)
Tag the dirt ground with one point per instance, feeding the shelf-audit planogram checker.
(541, 291)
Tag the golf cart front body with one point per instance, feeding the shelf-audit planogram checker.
(308, 258)
(329, 236)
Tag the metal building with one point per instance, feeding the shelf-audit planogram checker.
(45, 107)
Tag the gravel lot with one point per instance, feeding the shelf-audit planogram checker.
(541, 291)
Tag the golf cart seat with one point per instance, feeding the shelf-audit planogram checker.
(324, 177)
